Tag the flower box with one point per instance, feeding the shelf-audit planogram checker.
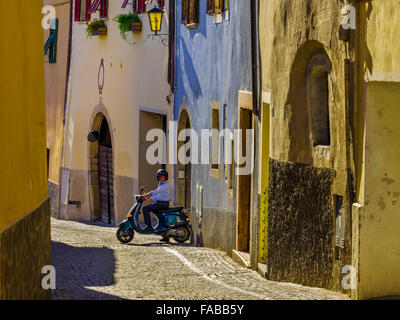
(96, 28)
(100, 32)
(137, 26)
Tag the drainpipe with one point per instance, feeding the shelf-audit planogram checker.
(255, 56)
(71, 8)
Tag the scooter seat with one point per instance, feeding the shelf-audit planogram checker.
(170, 210)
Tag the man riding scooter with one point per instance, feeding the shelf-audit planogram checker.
(161, 197)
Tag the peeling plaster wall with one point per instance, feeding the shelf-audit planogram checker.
(292, 32)
(376, 225)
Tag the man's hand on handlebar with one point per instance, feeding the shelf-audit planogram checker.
(146, 196)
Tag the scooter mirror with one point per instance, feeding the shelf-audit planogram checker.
(141, 190)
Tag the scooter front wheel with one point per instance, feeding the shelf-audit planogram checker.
(182, 234)
(125, 236)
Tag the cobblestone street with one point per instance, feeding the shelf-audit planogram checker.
(92, 264)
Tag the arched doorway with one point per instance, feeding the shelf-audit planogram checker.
(184, 192)
(101, 184)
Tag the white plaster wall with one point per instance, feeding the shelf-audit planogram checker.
(135, 76)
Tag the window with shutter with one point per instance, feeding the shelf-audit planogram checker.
(82, 10)
(190, 13)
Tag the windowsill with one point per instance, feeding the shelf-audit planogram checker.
(322, 156)
(192, 26)
(85, 21)
(214, 173)
(217, 19)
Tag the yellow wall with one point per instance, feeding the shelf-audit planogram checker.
(55, 88)
(377, 154)
(23, 183)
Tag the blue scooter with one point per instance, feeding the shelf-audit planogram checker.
(172, 222)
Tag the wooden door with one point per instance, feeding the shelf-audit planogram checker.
(244, 190)
(106, 185)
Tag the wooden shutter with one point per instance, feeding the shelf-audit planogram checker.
(104, 9)
(210, 7)
(184, 10)
(95, 6)
(87, 14)
(125, 3)
(77, 10)
(141, 6)
(195, 11)
(221, 6)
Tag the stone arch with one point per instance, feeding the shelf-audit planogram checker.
(97, 123)
(311, 57)
(318, 71)
(184, 172)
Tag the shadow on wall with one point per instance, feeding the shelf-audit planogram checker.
(190, 71)
(78, 268)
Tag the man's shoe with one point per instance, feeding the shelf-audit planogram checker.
(148, 228)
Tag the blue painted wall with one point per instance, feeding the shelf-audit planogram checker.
(213, 62)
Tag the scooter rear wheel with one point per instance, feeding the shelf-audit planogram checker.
(183, 234)
(125, 236)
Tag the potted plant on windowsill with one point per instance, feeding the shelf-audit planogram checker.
(128, 22)
(96, 28)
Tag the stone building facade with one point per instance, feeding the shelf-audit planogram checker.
(329, 86)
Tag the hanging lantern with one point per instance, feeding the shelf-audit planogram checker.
(155, 18)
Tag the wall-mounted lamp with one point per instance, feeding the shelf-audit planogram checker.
(156, 19)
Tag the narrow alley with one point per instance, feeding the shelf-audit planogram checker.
(92, 264)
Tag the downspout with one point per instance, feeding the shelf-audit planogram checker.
(71, 7)
(256, 96)
(255, 56)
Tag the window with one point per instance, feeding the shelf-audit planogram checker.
(100, 5)
(190, 13)
(215, 147)
(50, 46)
(232, 164)
(215, 7)
(318, 99)
(82, 10)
